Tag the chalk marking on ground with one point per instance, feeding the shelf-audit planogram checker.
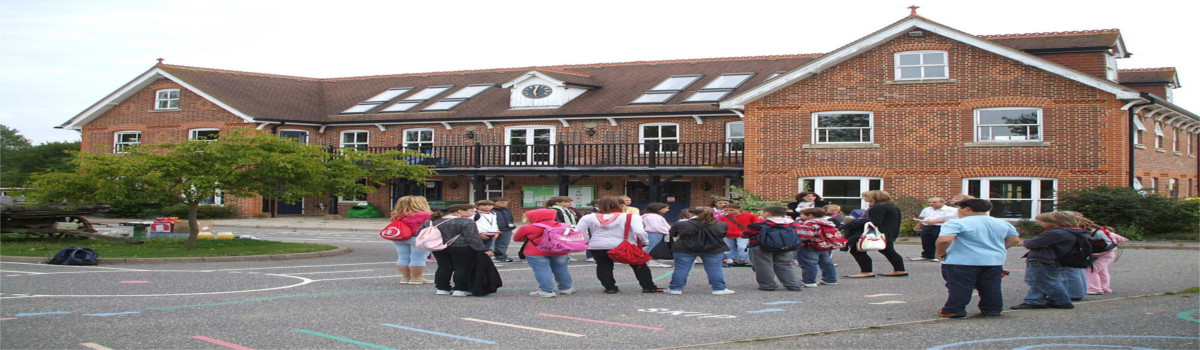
(1029, 347)
(28, 272)
(314, 273)
(395, 276)
(526, 328)
(889, 302)
(95, 346)
(27, 314)
(302, 266)
(764, 311)
(114, 314)
(781, 302)
(303, 281)
(348, 340)
(882, 295)
(1187, 315)
(7, 318)
(441, 334)
(72, 267)
(221, 342)
(602, 322)
(135, 282)
(940, 347)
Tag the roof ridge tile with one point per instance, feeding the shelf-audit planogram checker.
(1063, 33)
(216, 70)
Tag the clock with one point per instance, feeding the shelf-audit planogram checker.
(536, 91)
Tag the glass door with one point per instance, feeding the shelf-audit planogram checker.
(530, 146)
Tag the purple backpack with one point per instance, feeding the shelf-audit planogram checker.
(562, 239)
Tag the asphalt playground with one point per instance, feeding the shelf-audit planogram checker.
(356, 300)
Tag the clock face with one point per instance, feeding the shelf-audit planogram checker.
(536, 91)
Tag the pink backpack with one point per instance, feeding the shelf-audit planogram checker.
(562, 239)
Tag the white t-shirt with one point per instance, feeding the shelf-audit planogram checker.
(946, 213)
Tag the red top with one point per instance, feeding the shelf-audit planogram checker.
(533, 234)
(744, 219)
(415, 220)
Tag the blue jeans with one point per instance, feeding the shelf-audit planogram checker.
(1075, 280)
(683, 267)
(962, 279)
(548, 269)
(1045, 285)
(499, 245)
(409, 254)
(655, 239)
(737, 248)
(810, 260)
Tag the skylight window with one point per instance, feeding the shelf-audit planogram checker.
(458, 97)
(719, 87)
(379, 99)
(667, 89)
(421, 96)
(776, 74)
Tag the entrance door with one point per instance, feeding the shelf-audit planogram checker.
(530, 145)
(432, 191)
(282, 208)
(677, 195)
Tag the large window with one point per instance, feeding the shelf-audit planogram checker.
(1175, 140)
(916, 65)
(842, 127)
(1008, 124)
(843, 191)
(531, 145)
(300, 136)
(1158, 135)
(166, 99)
(354, 139)
(420, 140)
(204, 134)
(1015, 198)
(666, 89)
(491, 189)
(735, 136)
(125, 139)
(659, 137)
(720, 87)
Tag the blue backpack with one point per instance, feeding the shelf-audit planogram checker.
(779, 237)
(75, 256)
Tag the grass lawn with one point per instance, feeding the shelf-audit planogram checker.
(23, 245)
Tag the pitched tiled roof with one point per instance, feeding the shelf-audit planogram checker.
(1148, 76)
(1058, 40)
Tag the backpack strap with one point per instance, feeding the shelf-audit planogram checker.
(739, 225)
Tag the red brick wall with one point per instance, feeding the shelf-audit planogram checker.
(1165, 163)
(1091, 63)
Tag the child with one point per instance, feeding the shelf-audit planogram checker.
(548, 268)
(485, 220)
(810, 258)
(780, 262)
(656, 227)
(1097, 276)
(564, 213)
(504, 221)
(718, 207)
(737, 221)
(1042, 272)
(834, 213)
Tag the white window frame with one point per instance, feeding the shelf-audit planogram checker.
(119, 147)
(1173, 187)
(978, 126)
(172, 103)
(356, 144)
(666, 91)
(1158, 135)
(729, 138)
(528, 145)
(817, 129)
(1175, 140)
(1141, 128)
(307, 135)
(642, 137)
(193, 134)
(818, 186)
(1035, 192)
(945, 64)
(1153, 185)
(488, 191)
(354, 200)
(417, 144)
(1189, 143)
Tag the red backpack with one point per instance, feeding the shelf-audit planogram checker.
(828, 238)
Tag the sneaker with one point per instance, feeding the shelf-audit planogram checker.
(827, 283)
(504, 259)
(443, 292)
(768, 289)
(538, 293)
(1027, 306)
(1061, 306)
(567, 291)
(571, 258)
(949, 315)
(673, 292)
(430, 260)
(722, 292)
(591, 260)
(920, 259)
(460, 293)
(810, 285)
(727, 261)
(795, 263)
(935, 260)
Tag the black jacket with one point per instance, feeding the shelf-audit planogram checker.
(504, 219)
(1046, 247)
(885, 217)
(795, 214)
(687, 241)
(484, 277)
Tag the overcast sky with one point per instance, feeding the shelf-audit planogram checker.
(57, 58)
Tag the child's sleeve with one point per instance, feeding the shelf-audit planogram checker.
(806, 230)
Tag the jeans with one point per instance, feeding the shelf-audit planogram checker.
(456, 263)
(737, 248)
(1045, 285)
(962, 279)
(604, 271)
(811, 260)
(499, 245)
(548, 269)
(771, 265)
(929, 236)
(409, 254)
(655, 239)
(712, 267)
(1075, 280)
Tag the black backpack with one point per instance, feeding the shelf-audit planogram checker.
(75, 256)
(1080, 253)
(781, 238)
(704, 241)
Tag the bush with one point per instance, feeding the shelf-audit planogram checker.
(206, 211)
(1029, 228)
(1125, 207)
(1130, 232)
(750, 202)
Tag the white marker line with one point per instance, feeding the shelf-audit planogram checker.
(314, 273)
(95, 346)
(28, 272)
(527, 328)
(882, 295)
(305, 266)
(889, 302)
(303, 281)
(72, 266)
(395, 276)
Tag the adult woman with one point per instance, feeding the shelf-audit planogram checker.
(626, 208)
(687, 247)
(458, 259)
(547, 267)
(413, 211)
(608, 226)
(804, 200)
(886, 217)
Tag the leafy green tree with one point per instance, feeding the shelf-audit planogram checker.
(11, 143)
(1125, 206)
(20, 164)
(240, 164)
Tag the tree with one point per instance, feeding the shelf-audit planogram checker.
(11, 143)
(20, 164)
(240, 164)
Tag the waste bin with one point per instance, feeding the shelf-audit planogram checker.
(364, 210)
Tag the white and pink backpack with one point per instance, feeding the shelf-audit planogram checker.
(562, 239)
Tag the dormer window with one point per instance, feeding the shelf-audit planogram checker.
(667, 89)
(919, 65)
(719, 87)
(371, 103)
(460, 96)
(166, 99)
(420, 97)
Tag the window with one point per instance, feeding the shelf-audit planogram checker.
(204, 134)
(530, 145)
(354, 139)
(659, 137)
(1175, 140)
(1008, 124)
(371, 103)
(166, 99)
(421, 96)
(1141, 128)
(667, 89)
(491, 188)
(125, 139)
(735, 136)
(1158, 135)
(356, 197)
(1189, 138)
(1173, 187)
(1137, 183)
(773, 75)
(1154, 185)
(218, 198)
(420, 140)
(843, 191)
(1015, 198)
(719, 87)
(300, 136)
(458, 97)
(842, 127)
(915, 65)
